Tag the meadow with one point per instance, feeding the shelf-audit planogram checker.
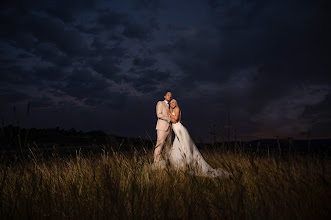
(115, 184)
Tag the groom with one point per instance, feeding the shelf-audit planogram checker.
(163, 129)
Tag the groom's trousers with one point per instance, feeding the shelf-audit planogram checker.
(163, 140)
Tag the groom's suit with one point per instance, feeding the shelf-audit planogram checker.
(163, 129)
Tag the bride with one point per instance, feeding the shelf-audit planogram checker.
(184, 153)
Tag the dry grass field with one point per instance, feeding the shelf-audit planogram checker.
(122, 185)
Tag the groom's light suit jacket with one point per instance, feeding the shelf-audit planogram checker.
(163, 121)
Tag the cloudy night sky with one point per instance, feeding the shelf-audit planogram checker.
(103, 65)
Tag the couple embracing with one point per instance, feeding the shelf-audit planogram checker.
(182, 153)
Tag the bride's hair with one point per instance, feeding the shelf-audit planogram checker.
(175, 102)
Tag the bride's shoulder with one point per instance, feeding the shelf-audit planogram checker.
(177, 110)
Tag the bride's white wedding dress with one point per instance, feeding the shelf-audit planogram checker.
(184, 154)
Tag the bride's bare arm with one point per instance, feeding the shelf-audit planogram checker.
(176, 116)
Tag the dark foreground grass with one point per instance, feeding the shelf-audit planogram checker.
(112, 184)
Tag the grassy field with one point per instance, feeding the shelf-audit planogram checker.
(118, 185)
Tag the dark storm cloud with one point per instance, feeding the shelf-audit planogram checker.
(135, 30)
(51, 30)
(60, 8)
(65, 10)
(40, 28)
(41, 102)
(23, 56)
(111, 19)
(54, 47)
(147, 80)
(252, 34)
(265, 62)
(106, 67)
(232, 15)
(131, 27)
(10, 95)
(196, 59)
(49, 52)
(152, 5)
(49, 73)
(145, 76)
(13, 74)
(107, 61)
(255, 59)
(82, 84)
(144, 63)
(276, 32)
(88, 87)
(16, 71)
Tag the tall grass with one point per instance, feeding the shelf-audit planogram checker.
(118, 185)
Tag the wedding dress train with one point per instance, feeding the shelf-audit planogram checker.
(185, 154)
